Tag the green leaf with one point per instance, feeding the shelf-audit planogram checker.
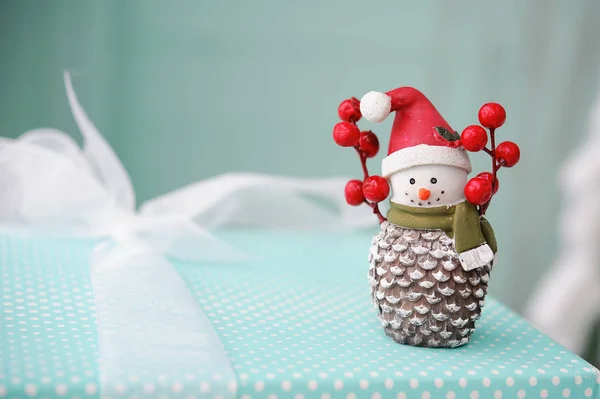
(447, 134)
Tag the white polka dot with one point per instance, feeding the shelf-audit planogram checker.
(149, 388)
(232, 386)
(414, 383)
(312, 385)
(363, 384)
(555, 380)
(326, 396)
(450, 395)
(338, 385)
(486, 382)
(544, 393)
(351, 396)
(401, 395)
(462, 382)
(497, 394)
(520, 394)
(474, 395)
(438, 382)
(588, 392)
(533, 381)
(60, 389)
(578, 379)
(176, 387)
(299, 396)
(597, 377)
(425, 395)
(30, 390)
(259, 386)
(205, 387)
(388, 383)
(90, 389)
(245, 396)
(286, 385)
(376, 395)
(566, 393)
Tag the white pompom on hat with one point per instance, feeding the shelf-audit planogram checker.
(375, 106)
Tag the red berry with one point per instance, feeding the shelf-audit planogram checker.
(346, 134)
(478, 191)
(490, 177)
(492, 115)
(508, 153)
(376, 188)
(349, 110)
(353, 192)
(473, 138)
(369, 144)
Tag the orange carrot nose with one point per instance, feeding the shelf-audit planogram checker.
(424, 194)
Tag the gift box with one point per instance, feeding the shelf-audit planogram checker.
(294, 320)
(176, 299)
(303, 326)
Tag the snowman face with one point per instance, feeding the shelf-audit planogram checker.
(428, 186)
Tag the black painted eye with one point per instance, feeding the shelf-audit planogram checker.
(433, 180)
(412, 181)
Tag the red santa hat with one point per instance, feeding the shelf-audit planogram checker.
(414, 139)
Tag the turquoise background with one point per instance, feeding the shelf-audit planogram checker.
(188, 89)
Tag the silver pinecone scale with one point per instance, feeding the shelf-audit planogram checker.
(423, 295)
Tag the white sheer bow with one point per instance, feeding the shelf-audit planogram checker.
(49, 181)
(148, 322)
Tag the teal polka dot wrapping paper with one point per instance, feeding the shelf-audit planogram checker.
(295, 321)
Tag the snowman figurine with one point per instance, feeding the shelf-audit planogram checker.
(430, 263)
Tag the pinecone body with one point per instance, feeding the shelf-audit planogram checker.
(423, 295)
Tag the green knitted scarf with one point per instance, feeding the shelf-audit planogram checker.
(461, 222)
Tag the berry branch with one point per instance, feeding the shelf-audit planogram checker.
(492, 153)
(480, 189)
(372, 189)
(373, 205)
(363, 161)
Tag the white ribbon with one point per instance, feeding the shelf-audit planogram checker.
(150, 327)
